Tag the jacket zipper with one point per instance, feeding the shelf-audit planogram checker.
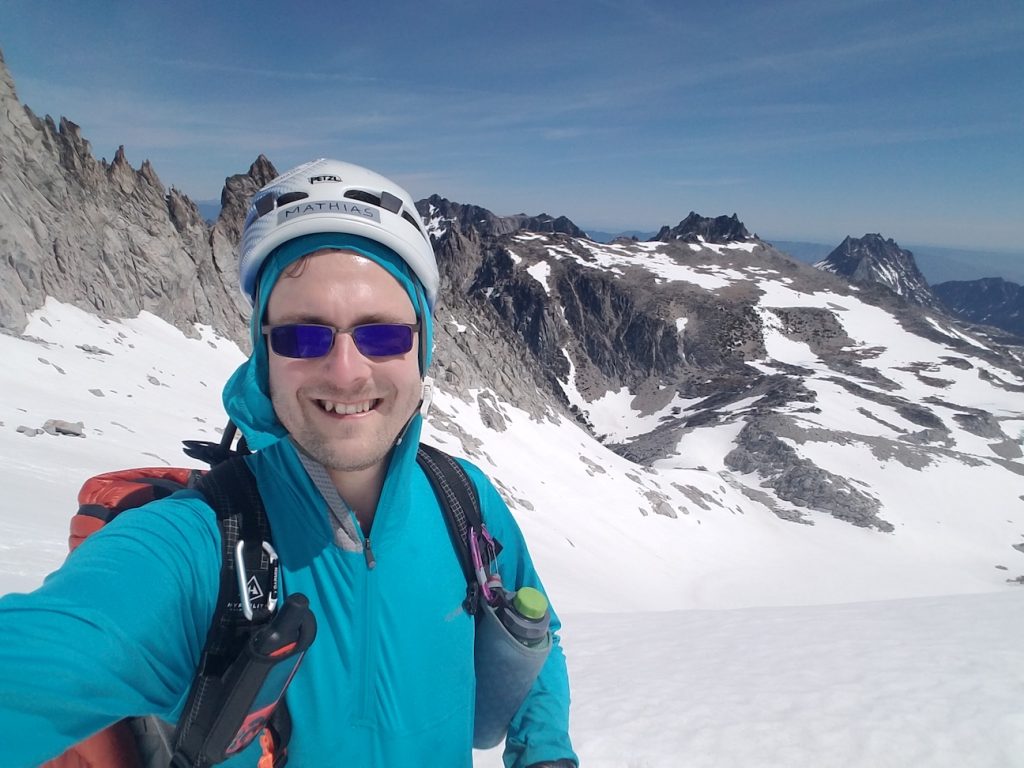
(371, 561)
(369, 665)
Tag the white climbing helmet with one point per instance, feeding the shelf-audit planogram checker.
(332, 196)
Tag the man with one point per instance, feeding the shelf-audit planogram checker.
(342, 278)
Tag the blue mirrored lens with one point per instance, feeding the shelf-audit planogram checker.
(302, 340)
(382, 340)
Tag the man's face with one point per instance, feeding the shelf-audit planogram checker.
(344, 409)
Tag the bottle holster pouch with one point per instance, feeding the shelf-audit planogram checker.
(232, 708)
(505, 672)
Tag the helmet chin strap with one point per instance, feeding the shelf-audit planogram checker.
(426, 397)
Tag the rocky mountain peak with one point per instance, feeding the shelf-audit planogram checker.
(262, 171)
(545, 224)
(466, 219)
(873, 259)
(239, 189)
(103, 236)
(694, 228)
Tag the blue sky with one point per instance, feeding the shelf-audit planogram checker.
(810, 119)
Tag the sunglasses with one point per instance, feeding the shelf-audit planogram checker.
(306, 340)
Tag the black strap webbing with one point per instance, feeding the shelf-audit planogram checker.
(231, 491)
(461, 506)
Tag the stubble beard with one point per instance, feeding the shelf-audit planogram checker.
(337, 453)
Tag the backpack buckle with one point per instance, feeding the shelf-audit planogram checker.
(249, 588)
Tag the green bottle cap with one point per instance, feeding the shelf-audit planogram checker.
(530, 603)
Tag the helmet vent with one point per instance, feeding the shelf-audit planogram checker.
(267, 203)
(390, 203)
(408, 217)
(290, 197)
(363, 197)
(264, 205)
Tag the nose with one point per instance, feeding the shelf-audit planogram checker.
(345, 363)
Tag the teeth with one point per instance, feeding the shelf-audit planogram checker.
(346, 409)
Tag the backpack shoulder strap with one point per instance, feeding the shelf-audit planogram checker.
(461, 505)
(230, 489)
(247, 595)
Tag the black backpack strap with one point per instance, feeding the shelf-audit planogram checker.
(461, 505)
(230, 489)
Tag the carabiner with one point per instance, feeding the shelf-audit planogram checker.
(243, 578)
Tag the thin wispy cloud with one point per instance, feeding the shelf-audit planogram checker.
(308, 75)
(773, 110)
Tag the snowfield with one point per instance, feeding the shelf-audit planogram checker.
(723, 636)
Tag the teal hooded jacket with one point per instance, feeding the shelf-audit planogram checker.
(389, 681)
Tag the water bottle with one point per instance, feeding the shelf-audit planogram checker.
(512, 644)
(526, 617)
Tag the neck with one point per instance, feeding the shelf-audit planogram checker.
(361, 490)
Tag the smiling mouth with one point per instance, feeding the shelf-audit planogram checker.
(347, 409)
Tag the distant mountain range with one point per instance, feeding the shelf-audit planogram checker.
(937, 264)
(963, 282)
(990, 301)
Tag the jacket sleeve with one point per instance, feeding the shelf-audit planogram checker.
(539, 731)
(115, 632)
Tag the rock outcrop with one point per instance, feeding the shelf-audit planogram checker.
(874, 260)
(696, 228)
(104, 236)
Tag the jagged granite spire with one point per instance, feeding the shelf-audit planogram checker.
(103, 236)
(694, 228)
(873, 259)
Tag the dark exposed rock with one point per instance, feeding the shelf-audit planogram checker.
(621, 338)
(872, 259)
(981, 424)
(469, 219)
(799, 481)
(695, 228)
(989, 301)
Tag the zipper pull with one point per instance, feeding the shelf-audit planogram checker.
(371, 561)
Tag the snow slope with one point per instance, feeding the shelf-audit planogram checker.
(723, 636)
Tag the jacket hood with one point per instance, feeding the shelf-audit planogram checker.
(246, 395)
